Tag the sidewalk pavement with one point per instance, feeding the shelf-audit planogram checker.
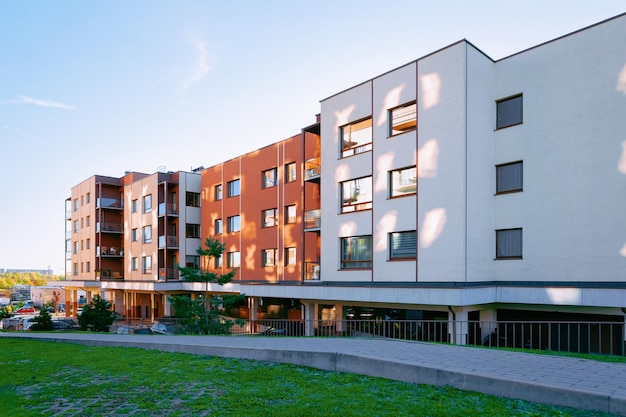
(571, 382)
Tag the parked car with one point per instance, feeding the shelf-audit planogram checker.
(132, 330)
(161, 328)
(64, 324)
(26, 310)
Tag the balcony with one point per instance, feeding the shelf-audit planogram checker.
(312, 220)
(311, 271)
(109, 227)
(171, 242)
(110, 251)
(109, 203)
(166, 274)
(170, 209)
(312, 169)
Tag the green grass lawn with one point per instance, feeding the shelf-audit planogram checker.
(56, 379)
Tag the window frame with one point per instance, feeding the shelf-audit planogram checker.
(218, 194)
(411, 123)
(269, 214)
(230, 224)
(146, 237)
(217, 227)
(392, 187)
(192, 231)
(146, 203)
(269, 178)
(499, 249)
(269, 257)
(192, 199)
(398, 257)
(134, 235)
(146, 264)
(345, 262)
(502, 102)
(232, 192)
(291, 168)
(353, 204)
(517, 188)
(288, 257)
(134, 264)
(357, 147)
(291, 219)
(230, 259)
(134, 206)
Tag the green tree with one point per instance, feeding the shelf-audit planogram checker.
(203, 316)
(97, 315)
(6, 312)
(43, 321)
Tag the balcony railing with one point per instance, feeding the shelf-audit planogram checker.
(109, 251)
(109, 227)
(166, 274)
(171, 209)
(311, 271)
(171, 242)
(110, 203)
(312, 168)
(313, 219)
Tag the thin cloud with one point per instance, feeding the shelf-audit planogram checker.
(45, 103)
(204, 64)
(16, 131)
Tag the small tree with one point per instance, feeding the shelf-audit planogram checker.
(97, 315)
(6, 312)
(43, 321)
(203, 317)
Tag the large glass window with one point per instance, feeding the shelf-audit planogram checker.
(234, 188)
(509, 177)
(356, 137)
(290, 172)
(192, 199)
(193, 230)
(147, 234)
(234, 224)
(356, 252)
(269, 217)
(402, 119)
(356, 195)
(269, 178)
(233, 260)
(218, 192)
(509, 112)
(147, 203)
(509, 244)
(403, 245)
(146, 262)
(268, 257)
(402, 182)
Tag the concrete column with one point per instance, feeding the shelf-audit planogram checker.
(152, 306)
(167, 311)
(68, 299)
(310, 316)
(253, 307)
(339, 318)
(488, 323)
(457, 327)
(74, 303)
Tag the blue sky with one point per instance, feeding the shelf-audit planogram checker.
(103, 87)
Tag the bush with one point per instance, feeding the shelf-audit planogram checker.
(96, 316)
(43, 321)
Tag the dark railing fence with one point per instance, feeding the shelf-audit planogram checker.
(577, 337)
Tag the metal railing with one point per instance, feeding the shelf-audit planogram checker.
(110, 203)
(312, 168)
(313, 219)
(311, 271)
(171, 209)
(109, 227)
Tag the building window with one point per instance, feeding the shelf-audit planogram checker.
(356, 252)
(402, 182)
(82, 200)
(147, 203)
(76, 247)
(193, 230)
(403, 245)
(269, 218)
(218, 226)
(269, 178)
(234, 188)
(290, 172)
(75, 226)
(356, 195)
(233, 260)
(269, 257)
(82, 222)
(88, 266)
(88, 198)
(217, 261)
(192, 261)
(134, 235)
(76, 204)
(88, 244)
(290, 214)
(88, 221)
(75, 269)
(218, 192)
(356, 137)
(134, 264)
(509, 111)
(509, 177)
(290, 256)
(192, 199)
(82, 246)
(147, 234)
(134, 206)
(402, 119)
(234, 224)
(509, 244)
(146, 262)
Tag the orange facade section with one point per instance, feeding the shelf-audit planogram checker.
(254, 204)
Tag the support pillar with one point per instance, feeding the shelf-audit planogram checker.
(458, 325)
(488, 324)
(309, 312)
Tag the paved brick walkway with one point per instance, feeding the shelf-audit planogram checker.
(578, 383)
